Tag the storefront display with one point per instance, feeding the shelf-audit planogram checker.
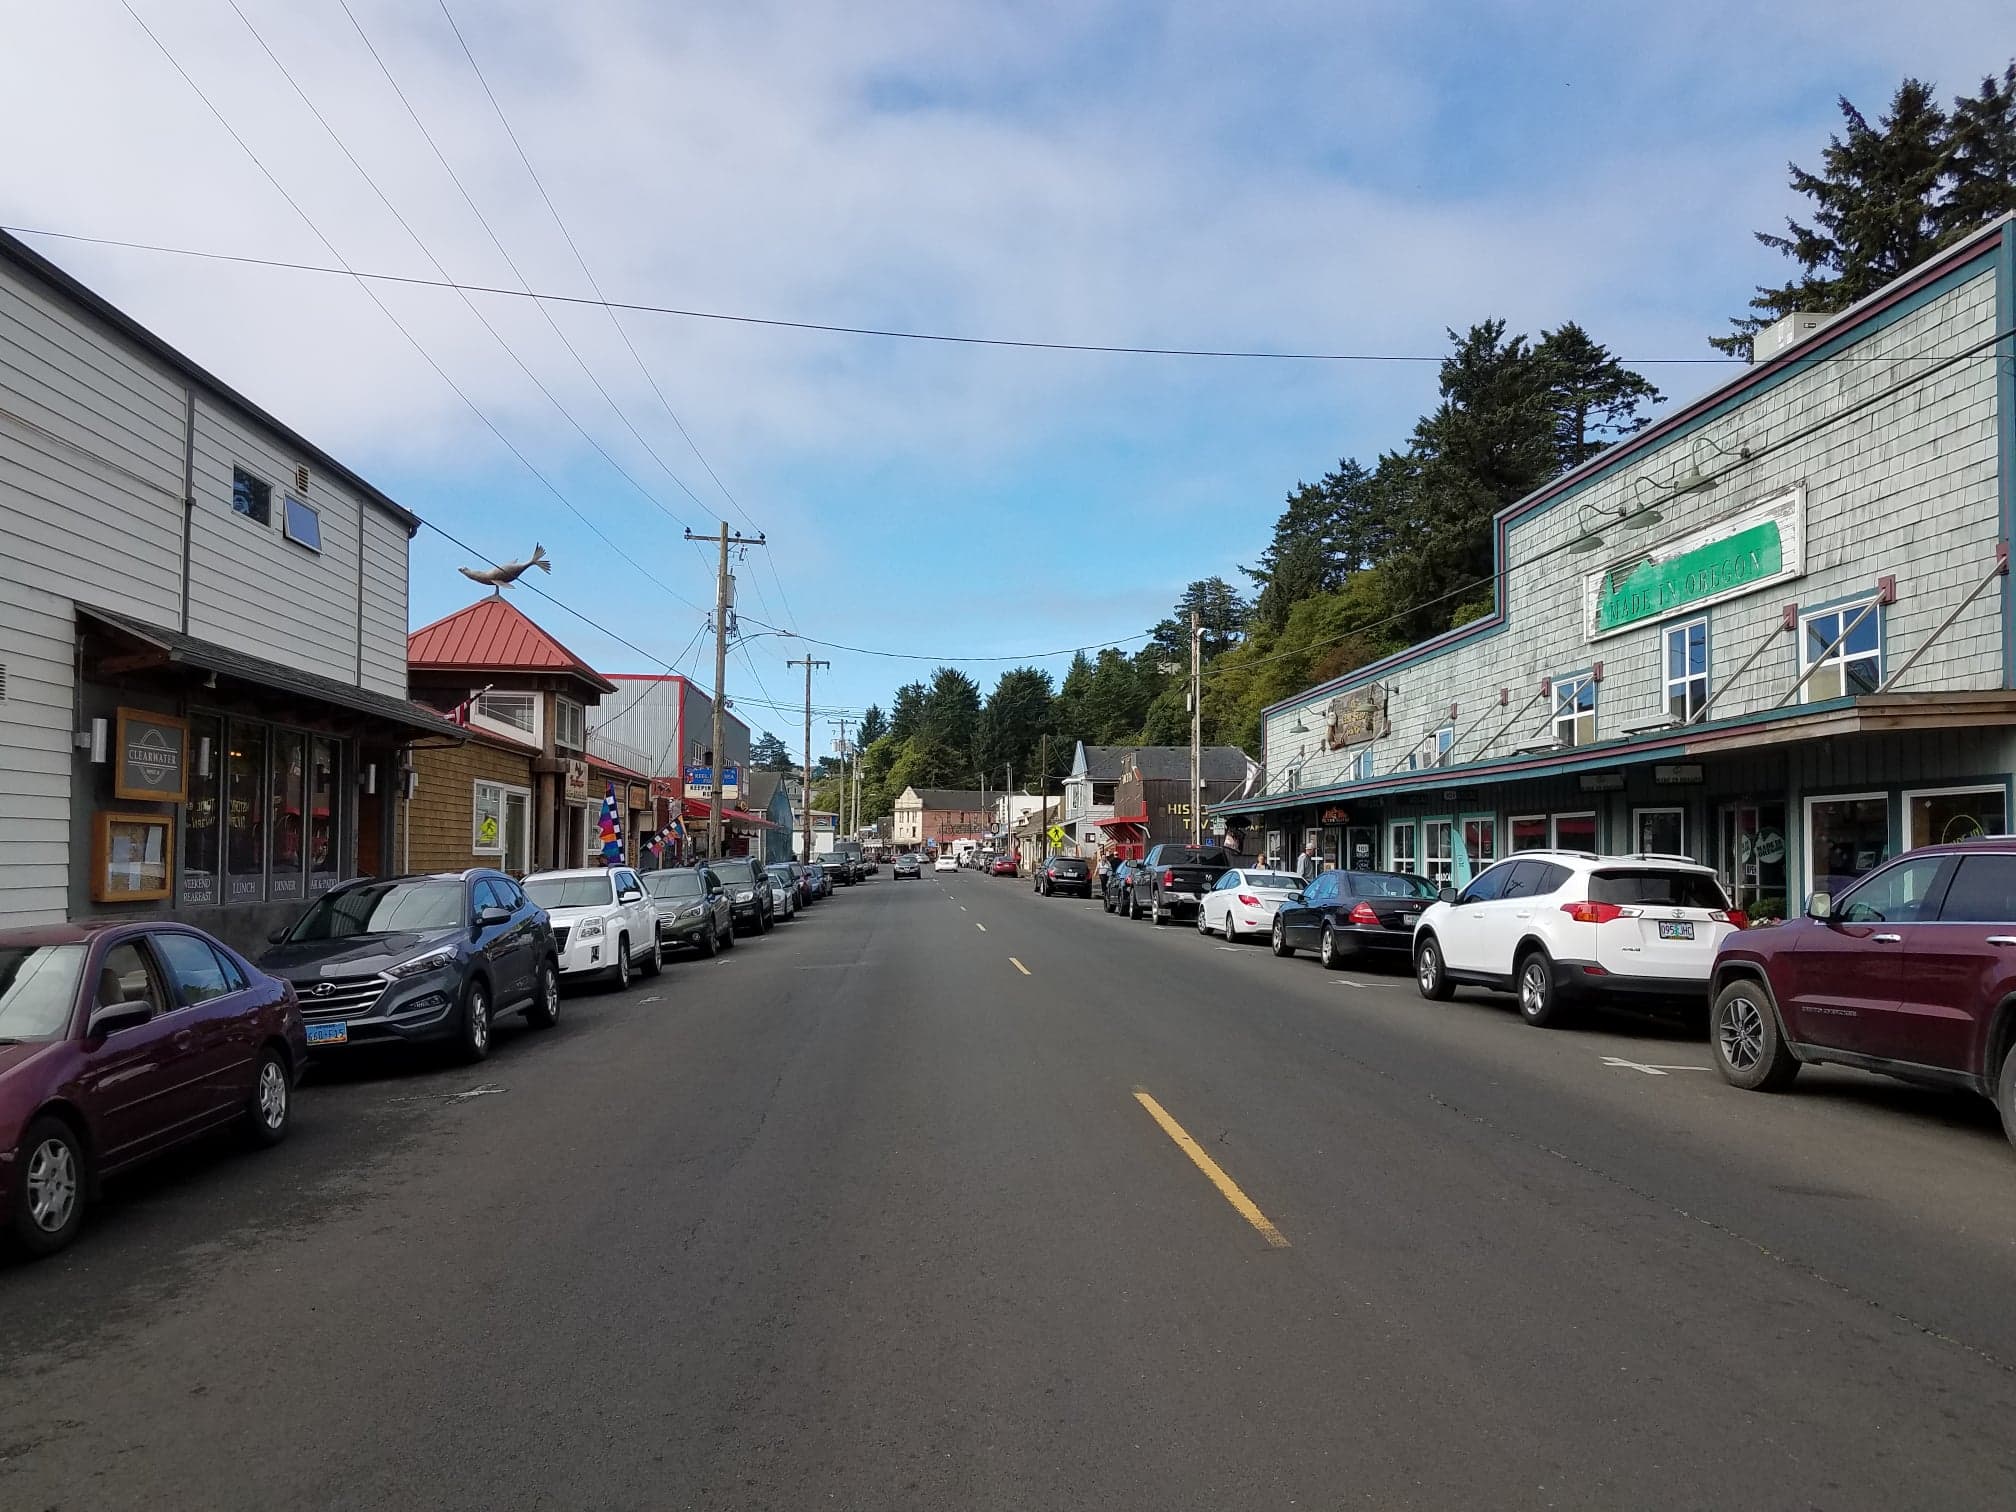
(130, 857)
(1845, 837)
(1947, 815)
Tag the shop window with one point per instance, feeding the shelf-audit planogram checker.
(1686, 669)
(251, 497)
(1480, 842)
(202, 826)
(500, 825)
(1855, 666)
(286, 827)
(568, 725)
(517, 857)
(1361, 766)
(1575, 832)
(301, 523)
(1948, 814)
(1529, 832)
(1400, 848)
(1660, 831)
(514, 711)
(245, 815)
(1574, 710)
(1438, 851)
(324, 833)
(1845, 838)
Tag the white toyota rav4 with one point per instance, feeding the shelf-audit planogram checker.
(604, 922)
(1558, 926)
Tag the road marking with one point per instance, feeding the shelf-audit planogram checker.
(1347, 982)
(651, 999)
(1622, 1064)
(1018, 965)
(962, 908)
(1227, 1187)
(979, 926)
(485, 1091)
(1233, 948)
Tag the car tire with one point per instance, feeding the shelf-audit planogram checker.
(1133, 908)
(269, 1111)
(474, 1043)
(619, 973)
(1202, 927)
(1430, 975)
(1540, 1001)
(710, 940)
(1277, 940)
(1328, 951)
(54, 1188)
(728, 936)
(1106, 901)
(544, 1012)
(1155, 915)
(2005, 1093)
(656, 963)
(1749, 1044)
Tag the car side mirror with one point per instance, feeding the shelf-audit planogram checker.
(1820, 906)
(278, 936)
(629, 895)
(490, 916)
(1447, 894)
(110, 1018)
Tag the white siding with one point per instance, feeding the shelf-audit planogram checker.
(37, 642)
(385, 543)
(1905, 488)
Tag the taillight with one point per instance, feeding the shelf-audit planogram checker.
(1168, 879)
(1734, 916)
(1249, 900)
(1592, 913)
(1362, 914)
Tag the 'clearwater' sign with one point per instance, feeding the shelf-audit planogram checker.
(1760, 546)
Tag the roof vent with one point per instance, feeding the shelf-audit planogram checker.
(1787, 331)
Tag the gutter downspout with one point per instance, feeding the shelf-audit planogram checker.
(188, 495)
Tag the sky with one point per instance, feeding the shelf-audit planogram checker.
(1341, 177)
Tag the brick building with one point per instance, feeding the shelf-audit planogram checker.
(935, 816)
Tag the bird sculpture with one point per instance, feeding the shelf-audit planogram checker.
(503, 576)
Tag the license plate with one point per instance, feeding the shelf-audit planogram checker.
(328, 1034)
(1682, 929)
(1410, 920)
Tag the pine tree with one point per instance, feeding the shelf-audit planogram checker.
(1596, 399)
(874, 725)
(907, 711)
(1980, 157)
(951, 716)
(769, 755)
(1016, 717)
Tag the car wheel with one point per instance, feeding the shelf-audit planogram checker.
(2005, 1093)
(1750, 1048)
(1133, 908)
(620, 972)
(710, 940)
(475, 1020)
(1202, 927)
(1106, 901)
(1539, 1001)
(1155, 915)
(51, 1205)
(655, 962)
(1277, 940)
(1327, 951)
(1429, 974)
(545, 1010)
(728, 935)
(270, 1109)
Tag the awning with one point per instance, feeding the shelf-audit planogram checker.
(1136, 821)
(697, 809)
(171, 648)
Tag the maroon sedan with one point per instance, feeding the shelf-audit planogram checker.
(119, 1041)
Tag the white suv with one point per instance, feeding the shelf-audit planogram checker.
(604, 922)
(1555, 926)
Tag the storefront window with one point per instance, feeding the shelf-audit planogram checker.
(1964, 814)
(245, 814)
(517, 858)
(1480, 843)
(290, 781)
(1686, 669)
(201, 829)
(1575, 832)
(1529, 832)
(1402, 847)
(324, 834)
(1438, 851)
(1845, 837)
(1661, 831)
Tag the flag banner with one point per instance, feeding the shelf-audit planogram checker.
(609, 827)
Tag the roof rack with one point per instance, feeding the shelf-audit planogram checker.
(1659, 856)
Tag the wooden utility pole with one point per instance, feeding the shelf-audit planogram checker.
(723, 600)
(805, 802)
(1196, 729)
(1043, 803)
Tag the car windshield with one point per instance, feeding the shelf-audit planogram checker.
(674, 884)
(568, 892)
(376, 908)
(782, 874)
(38, 987)
(1386, 885)
(1286, 880)
(1681, 889)
(732, 872)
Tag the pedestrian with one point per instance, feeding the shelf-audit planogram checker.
(1308, 865)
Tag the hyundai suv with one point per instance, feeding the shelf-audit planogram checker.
(1910, 972)
(1562, 927)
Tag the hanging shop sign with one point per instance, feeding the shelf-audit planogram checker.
(1753, 549)
(152, 758)
(1336, 815)
(1356, 717)
(700, 782)
(1678, 774)
(576, 781)
(1601, 782)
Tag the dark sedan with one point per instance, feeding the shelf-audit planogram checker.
(1342, 915)
(391, 960)
(1064, 874)
(1117, 890)
(119, 1041)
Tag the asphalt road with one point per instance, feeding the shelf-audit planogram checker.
(863, 1216)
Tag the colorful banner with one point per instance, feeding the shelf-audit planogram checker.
(609, 829)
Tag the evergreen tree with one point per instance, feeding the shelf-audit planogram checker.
(874, 725)
(1330, 528)
(951, 715)
(1980, 157)
(1016, 717)
(769, 755)
(1067, 710)
(1115, 700)
(1596, 399)
(907, 711)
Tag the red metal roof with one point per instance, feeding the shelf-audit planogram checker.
(493, 635)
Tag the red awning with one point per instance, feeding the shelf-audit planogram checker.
(1138, 821)
(698, 809)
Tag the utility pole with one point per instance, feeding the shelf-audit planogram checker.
(1196, 730)
(805, 802)
(1043, 804)
(840, 819)
(723, 599)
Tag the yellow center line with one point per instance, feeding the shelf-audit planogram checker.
(1227, 1187)
(1018, 965)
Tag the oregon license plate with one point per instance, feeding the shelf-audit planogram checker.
(328, 1034)
(1676, 929)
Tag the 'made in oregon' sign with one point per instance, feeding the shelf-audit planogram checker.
(1758, 547)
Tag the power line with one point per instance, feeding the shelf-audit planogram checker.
(1025, 656)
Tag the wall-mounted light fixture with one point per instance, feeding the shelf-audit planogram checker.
(97, 740)
(367, 779)
(203, 754)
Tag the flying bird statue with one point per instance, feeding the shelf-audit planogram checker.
(502, 577)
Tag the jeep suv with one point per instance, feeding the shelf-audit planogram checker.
(1558, 927)
(1910, 972)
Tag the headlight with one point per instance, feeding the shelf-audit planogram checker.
(588, 929)
(745, 897)
(420, 965)
(692, 910)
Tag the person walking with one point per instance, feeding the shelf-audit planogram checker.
(1308, 866)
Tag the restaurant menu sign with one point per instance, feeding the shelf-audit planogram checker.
(151, 763)
(1762, 545)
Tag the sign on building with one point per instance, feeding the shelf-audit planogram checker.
(1739, 554)
(700, 782)
(152, 751)
(576, 780)
(1356, 717)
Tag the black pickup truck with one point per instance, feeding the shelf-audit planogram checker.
(1172, 879)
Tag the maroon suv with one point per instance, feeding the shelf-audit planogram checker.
(1910, 972)
(119, 1041)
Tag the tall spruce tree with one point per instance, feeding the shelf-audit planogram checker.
(874, 725)
(907, 711)
(1980, 157)
(1596, 399)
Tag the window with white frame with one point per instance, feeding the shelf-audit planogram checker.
(1852, 667)
(1434, 748)
(1575, 832)
(1480, 841)
(513, 711)
(1529, 832)
(1660, 831)
(1438, 851)
(1361, 766)
(1686, 668)
(1400, 847)
(569, 731)
(1575, 709)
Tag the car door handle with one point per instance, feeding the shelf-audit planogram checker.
(1887, 939)
(184, 1038)
(2001, 940)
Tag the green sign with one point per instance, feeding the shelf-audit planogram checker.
(1655, 588)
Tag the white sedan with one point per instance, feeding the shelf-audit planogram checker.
(945, 863)
(1243, 902)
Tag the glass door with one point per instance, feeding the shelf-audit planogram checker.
(1752, 855)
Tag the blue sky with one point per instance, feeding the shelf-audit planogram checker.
(1340, 177)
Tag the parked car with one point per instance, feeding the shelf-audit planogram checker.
(693, 910)
(945, 863)
(604, 922)
(1244, 901)
(839, 870)
(1343, 915)
(749, 893)
(818, 879)
(407, 960)
(1117, 890)
(1002, 866)
(783, 890)
(1911, 971)
(119, 1041)
(802, 875)
(1064, 874)
(1173, 878)
(907, 866)
(1559, 927)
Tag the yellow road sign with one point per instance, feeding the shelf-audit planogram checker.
(1057, 835)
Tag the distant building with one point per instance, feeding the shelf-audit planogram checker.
(933, 816)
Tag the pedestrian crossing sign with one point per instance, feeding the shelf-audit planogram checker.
(1057, 835)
